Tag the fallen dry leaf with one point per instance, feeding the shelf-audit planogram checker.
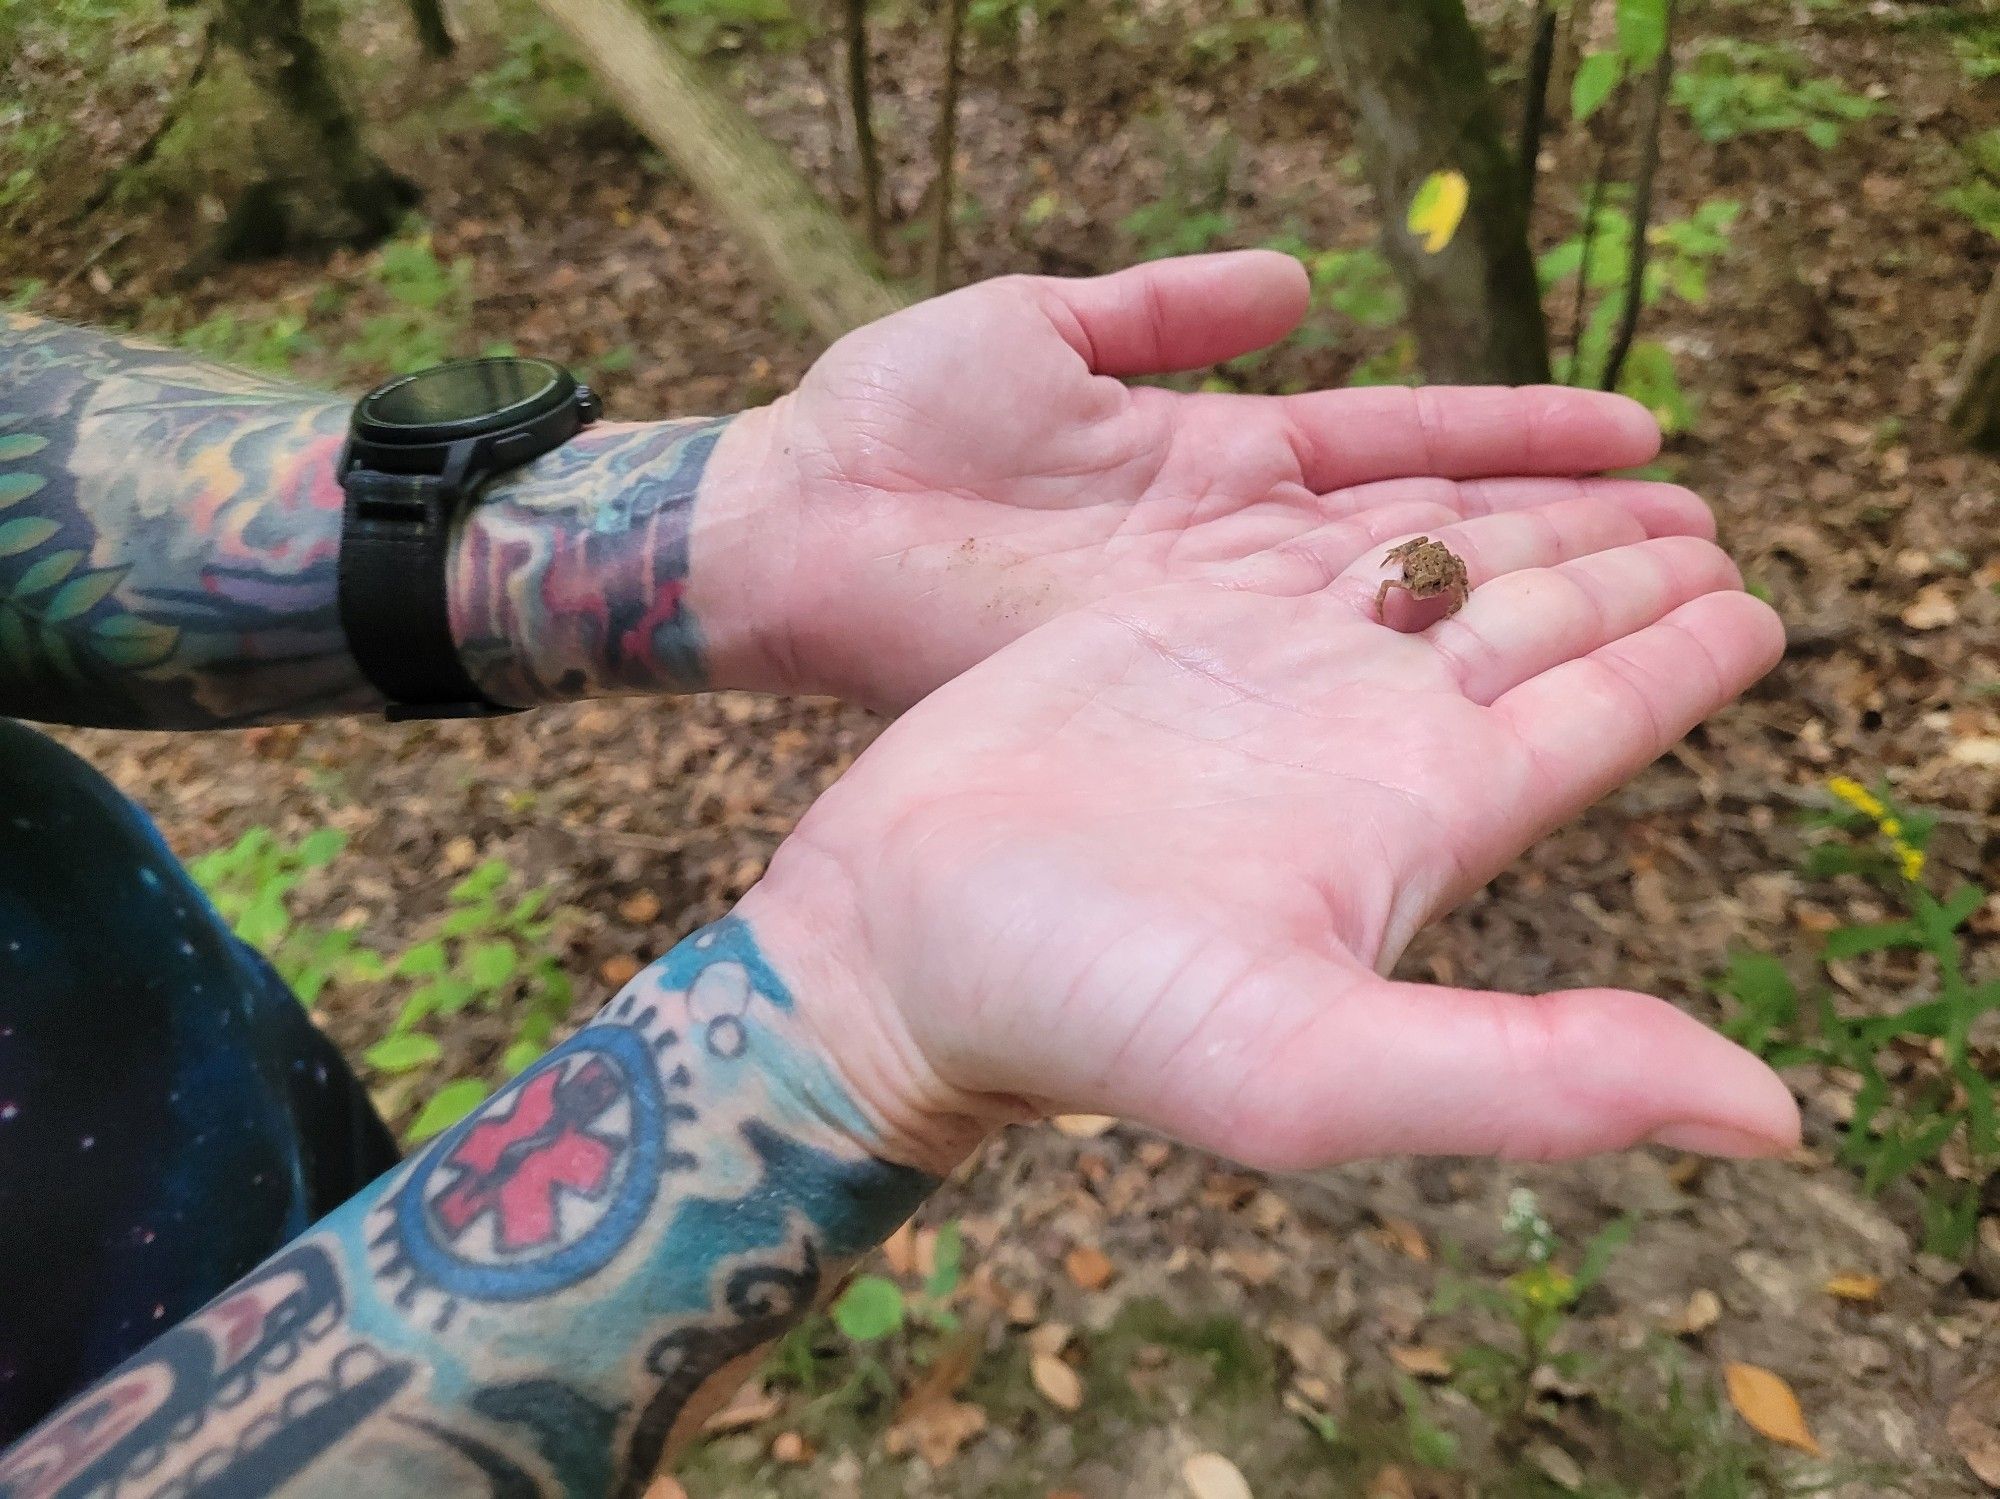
(1049, 1339)
(1703, 1311)
(1088, 1268)
(640, 909)
(1932, 609)
(1973, 1424)
(750, 1404)
(1254, 1267)
(1421, 1360)
(1768, 1406)
(1057, 1381)
(1853, 1286)
(935, 1430)
(900, 1249)
(1210, 1475)
(1562, 1470)
(1407, 1237)
(791, 1449)
(1982, 750)
(460, 854)
(1391, 1483)
(666, 1487)
(618, 971)
(1084, 1126)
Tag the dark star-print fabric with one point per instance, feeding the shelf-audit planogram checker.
(169, 1116)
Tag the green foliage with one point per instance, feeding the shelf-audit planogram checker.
(1731, 88)
(704, 26)
(1640, 35)
(251, 883)
(999, 21)
(429, 306)
(1978, 197)
(274, 343)
(870, 1309)
(489, 952)
(537, 80)
(1926, 1100)
(873, 1306)
(1682, 252)
(1537, 1300)
(1250, 33)
(1192, 215)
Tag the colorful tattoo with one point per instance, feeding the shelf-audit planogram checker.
(169, 532)
(547, 1299)
(570, 577)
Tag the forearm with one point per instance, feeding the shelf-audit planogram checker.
(550, 1296)
(170, 532)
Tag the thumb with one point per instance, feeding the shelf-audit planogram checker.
(1379, 1068)
(1177, 314)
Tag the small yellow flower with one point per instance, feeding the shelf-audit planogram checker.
(1892, 829)
(1857, 796)
(1913, 862)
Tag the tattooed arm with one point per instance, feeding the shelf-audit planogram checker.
(169, 532)
(941, 482)
(544, 1301)
(1153, 860)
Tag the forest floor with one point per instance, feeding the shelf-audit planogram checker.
(1301, 1326)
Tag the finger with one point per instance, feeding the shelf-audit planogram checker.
(1344, 437)
(1378, 1068)
(1663, 509)
(1299, 564)
(1177, 314)
(1491, 546)
(1525, 623)
(1594, 722)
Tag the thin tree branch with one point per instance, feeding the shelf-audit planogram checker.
(1535, 103)
(947, 149)
(1642, 207)
(433, 34)
(1592, 206)
(860, 101)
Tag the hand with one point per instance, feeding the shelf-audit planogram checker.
(960, 472)
(1155, 858)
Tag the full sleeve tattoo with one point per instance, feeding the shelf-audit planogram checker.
(546, 1300)
(169, 532)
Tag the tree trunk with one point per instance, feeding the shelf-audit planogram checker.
(1975, 406)
(806, 251)
(860, 99)
(427, 16)
(1416, 79)
(342, 192)
(945, 147)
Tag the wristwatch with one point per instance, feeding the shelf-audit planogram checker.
(418, 448)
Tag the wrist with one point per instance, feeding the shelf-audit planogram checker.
(620, 564)
(870, 1076)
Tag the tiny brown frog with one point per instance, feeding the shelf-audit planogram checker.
(1430, 568)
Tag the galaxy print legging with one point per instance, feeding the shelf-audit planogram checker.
(169, 1116)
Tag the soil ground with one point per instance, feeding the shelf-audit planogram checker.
(1817, 364)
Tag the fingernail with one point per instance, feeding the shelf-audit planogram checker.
(1718, 1139)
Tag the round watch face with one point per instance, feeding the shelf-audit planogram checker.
(472, 393)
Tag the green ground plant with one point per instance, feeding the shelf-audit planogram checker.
(1977, 197)
(1924, 1111)
(490, 952)
(1683, 252)
(1732, 88)
(1536, 1299)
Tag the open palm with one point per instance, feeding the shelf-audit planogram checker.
(1155, 858)
(976, 465)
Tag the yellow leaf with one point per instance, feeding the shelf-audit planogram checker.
(1855, 1287)
(1057, 1381)
(1768, 1406)
(1438, 207)
(1210, 1475)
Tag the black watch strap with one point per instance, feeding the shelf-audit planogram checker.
(393, 551)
